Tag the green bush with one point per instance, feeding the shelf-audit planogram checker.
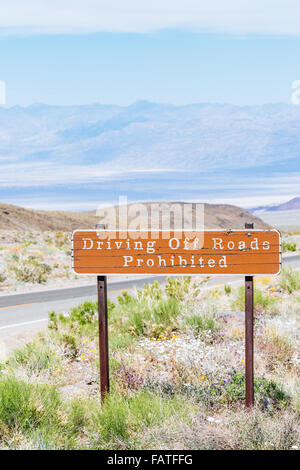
(122, 417)
(70, 345)
(200, 323)
(150, 291)
(289, 280)
(30, 270)
(151, 318)
(288, 246)
(232, 390)
(36, 414)
(25, 406)
(182, 288)
(261, 299)
(227, 289)
(84, 314)
(35, 356)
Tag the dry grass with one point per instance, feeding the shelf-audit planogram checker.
(229, 430)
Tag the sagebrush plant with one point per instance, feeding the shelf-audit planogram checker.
(122, 417)
(262, 299)
(30, 269)
(201, 323)
(184, 288)
(278, 349)
(80, 319)
(36, 356)
(143, 316)
(288, 245)
(289, 280)
(227, 289)
(25, 406)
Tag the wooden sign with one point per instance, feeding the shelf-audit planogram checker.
(214, 252)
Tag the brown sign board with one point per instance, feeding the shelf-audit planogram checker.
(210, 252)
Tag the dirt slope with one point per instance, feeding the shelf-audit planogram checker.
(17, 218)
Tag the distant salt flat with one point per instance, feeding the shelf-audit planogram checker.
(284, 220)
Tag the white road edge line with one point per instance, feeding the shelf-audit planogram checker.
(23, 324)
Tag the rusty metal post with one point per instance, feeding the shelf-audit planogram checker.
(103, 331)
(249, 342)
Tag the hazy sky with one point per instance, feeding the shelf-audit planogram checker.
(85, 51)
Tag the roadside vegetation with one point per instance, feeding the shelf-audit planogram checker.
(32, 260)
(290, 242)
(177, 373)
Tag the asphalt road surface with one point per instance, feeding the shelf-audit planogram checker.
(18, 311)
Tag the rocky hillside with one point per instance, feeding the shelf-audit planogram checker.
(18, 218)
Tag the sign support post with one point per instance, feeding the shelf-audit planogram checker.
(249, 343)
(103, 331)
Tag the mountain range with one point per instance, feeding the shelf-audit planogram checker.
(149, 151)
(149, 135)
(293, 204)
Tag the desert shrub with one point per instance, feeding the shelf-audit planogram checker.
(36, 356)
(184, 288)
(83, 314)
(261, 431)
(61, 239)
(70, 346)
(289, 280)
(144, 314)
(261, 299)
(232, 390)
(149, 291)
(227, 289)
(30, 269)
(119, 421)
(201, 323)
(35, 416)
(2, 278)
(129, 378)
(155, 310)
(25, 406)
(146, 319)
(161, 387)
(288, 246)
(277, 348)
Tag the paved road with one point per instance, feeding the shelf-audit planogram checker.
(31, 309)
